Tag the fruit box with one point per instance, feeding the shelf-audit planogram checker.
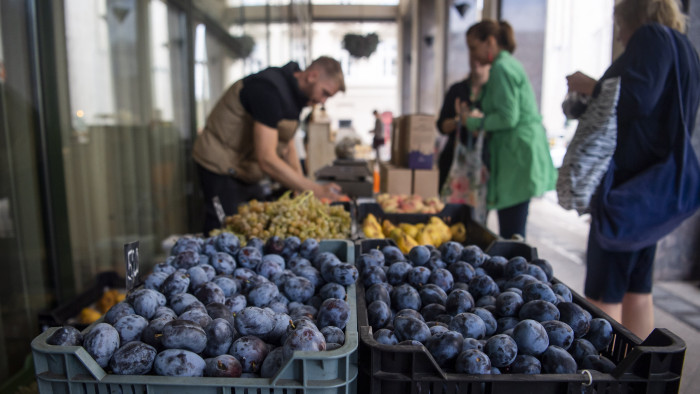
(650, 366)
(477, 234)
(63, 313)
(70, 369)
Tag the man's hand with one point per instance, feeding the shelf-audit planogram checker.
(329, 191)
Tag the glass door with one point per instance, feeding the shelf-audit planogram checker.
(125, 154)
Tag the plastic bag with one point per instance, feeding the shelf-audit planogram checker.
(466, 181)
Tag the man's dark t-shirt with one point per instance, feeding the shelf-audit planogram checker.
(273, 95)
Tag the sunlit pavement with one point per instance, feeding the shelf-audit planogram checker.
(560, 237)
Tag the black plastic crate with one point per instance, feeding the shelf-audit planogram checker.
(477, 233)
(62, 313)
(651, 366)
(510, 248)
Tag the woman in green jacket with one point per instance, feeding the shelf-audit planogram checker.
(521, 166)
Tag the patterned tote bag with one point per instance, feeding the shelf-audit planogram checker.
(466, 181)
(588, 156)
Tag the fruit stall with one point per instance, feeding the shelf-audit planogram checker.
(400, 294)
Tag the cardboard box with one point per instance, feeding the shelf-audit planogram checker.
(394, 180)
(414, 142)
(426, 183)
(395, 138)
(320, 148)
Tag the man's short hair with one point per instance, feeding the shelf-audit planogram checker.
(330, 68)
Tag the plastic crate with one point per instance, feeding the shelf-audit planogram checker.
(70, 369)
(477, 234)
(510, 248)
(63, 313)
(651, 366)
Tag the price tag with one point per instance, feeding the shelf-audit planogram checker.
(219, 209)
(131, 259)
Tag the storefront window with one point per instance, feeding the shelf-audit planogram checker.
(125, 156)
(25, 287)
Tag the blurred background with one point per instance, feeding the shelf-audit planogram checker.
(100, 101)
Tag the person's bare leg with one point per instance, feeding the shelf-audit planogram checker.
(613, 310)
(638, 313)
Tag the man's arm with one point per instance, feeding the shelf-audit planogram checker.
(292, 158)
(265, 140)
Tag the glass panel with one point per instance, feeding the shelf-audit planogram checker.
(457, 54)
(215, 71)
(356, 2)
(125, 157)
(529, 23)
(25, 288)
(371, 82)
(579, 37)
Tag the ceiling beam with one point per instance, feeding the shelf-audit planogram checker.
(336, 13)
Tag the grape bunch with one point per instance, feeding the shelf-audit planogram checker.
(303, 216)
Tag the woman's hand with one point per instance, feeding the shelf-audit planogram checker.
(461, 109)
(475, 113)
(581, 83)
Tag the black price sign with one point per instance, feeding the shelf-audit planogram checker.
(219, 209)
(131, 259)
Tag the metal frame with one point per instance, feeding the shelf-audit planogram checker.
(49, 58)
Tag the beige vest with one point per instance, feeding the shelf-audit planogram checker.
(225, 146)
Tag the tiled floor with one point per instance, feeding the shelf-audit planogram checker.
(560, 237)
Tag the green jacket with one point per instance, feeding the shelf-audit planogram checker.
(520, 165)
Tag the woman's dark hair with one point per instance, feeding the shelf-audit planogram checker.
(501, 30)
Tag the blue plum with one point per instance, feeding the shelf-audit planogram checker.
(220, 335)
(469, 325)
(445, 347)
(539, 310)
(65, 336)
(539, 291)
(410, 328)
(598, 363)
(133, 358)
(473, 255)
(385, 337)
(101, 343)
(559, 333)
(526, 364)
(459, 301)
(405, 297)
(451, 251)
(600, 333)
(419, 255)
(378, 314)
(250, 351)
(130, 327)
(576, 317)
(501, 350)
(531, 337)
(178, 362)
(398, 272)
(333, 312)
(461, 271)
(473, 361)
(184, 334)
(223, 366)
(557, 360)
(508, 303)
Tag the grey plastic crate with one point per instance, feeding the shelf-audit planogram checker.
(70, 369)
